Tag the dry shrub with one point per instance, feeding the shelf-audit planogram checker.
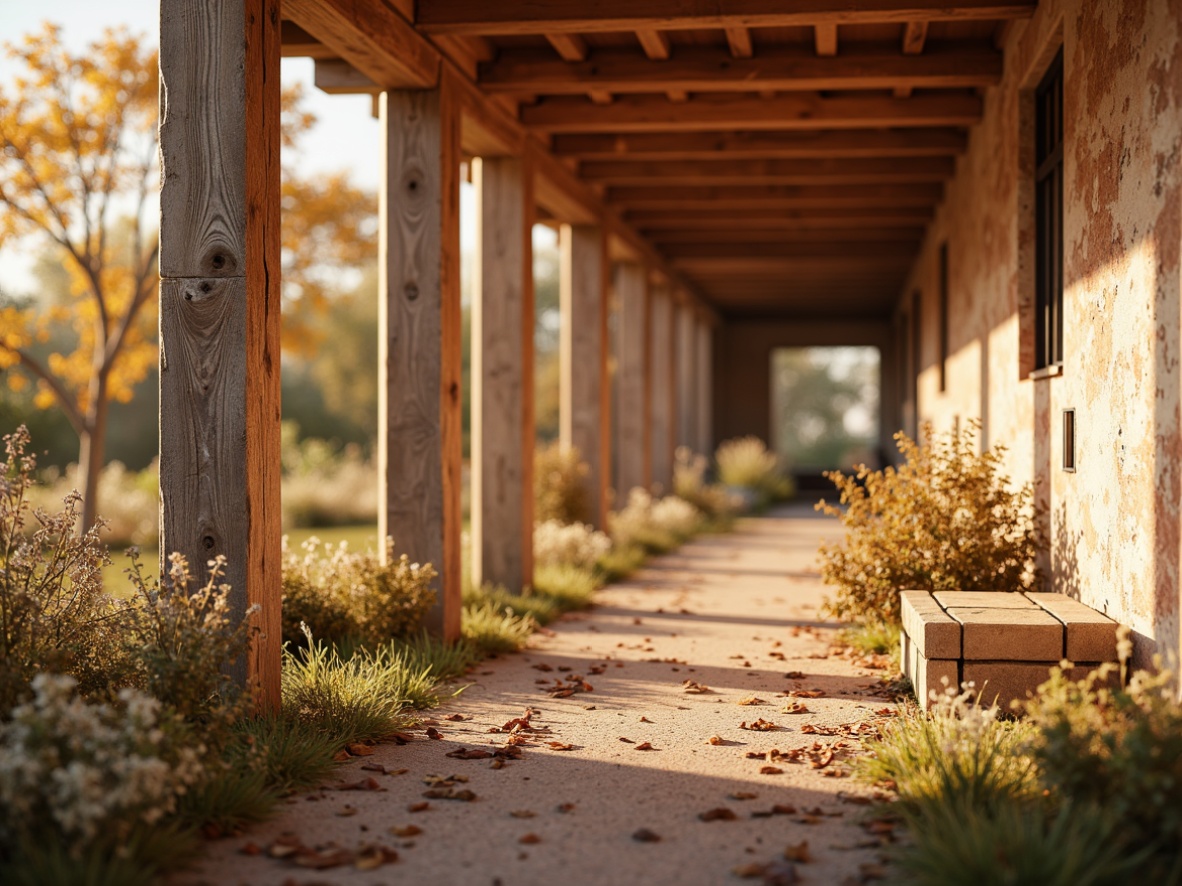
(342, 594)
(560, 485)
(128, 501)
(746, 463)
(54, 615)
(946, 519)
(689, 484)
(573, 544)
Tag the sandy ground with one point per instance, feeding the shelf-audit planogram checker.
(739, 614)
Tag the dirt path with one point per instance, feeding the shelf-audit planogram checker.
(738, 614)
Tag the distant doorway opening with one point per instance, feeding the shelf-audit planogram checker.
(825, 410)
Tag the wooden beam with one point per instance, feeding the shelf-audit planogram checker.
(631, 294)
(298, 43)
(644, 113)
(870, 269)
(584, 402)
(375, 39)
(419, 437)
(706, 69)
(713, 218)
(789, 250)
(663, 237)
(705, 388)
(739, 42)
(567, 16)
(571, 47)
(654, 43)
(825, 39)
(915, 34)
(502, 367)
(337, 77)
(219, 311)
(757, 145)
(772, 172)
(781, 196)
(687, 403)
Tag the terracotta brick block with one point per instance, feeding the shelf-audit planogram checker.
(928, 675)
(1091, 635)
(1006, 681)
(1009, 634)
(983, 600)
(931, 629)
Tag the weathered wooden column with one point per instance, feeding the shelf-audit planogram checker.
(705, 387)
(419, 444)
(661, 379)
(502, 374)
(687, 381)
(631, 463)
(585, 392)
(219, 308)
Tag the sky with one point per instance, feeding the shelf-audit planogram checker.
(346, 136)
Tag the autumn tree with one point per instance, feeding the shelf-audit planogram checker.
(77, 146)
(79, 166)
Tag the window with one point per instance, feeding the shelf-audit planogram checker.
(1069, 440)
(1048, 185)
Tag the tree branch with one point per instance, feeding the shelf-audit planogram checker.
(65, 401)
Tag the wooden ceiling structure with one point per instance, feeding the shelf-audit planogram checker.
(773, 157)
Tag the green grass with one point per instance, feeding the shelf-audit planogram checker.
(872, 638)
(494, 631)
(567, 587)
(620, 562)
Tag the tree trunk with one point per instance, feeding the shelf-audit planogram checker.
(91, 452)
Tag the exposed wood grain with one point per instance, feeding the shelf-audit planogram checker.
(707, 69)
(501, 448)
(661, 380)
(374, 38)
(645, 113)
(780, 219)
(757, 145)
(825, 39)
(583, 355)
(630, 379)
(777, 196)
(219, 316)
(298, 43)
(723, 233)
(739, 42)
(790, 248)
(768, 172)
(419, 450)
(915, 34)
(567, 16)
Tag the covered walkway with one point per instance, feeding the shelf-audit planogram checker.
(739, 614)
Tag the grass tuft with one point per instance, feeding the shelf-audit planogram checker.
(567, 587)
(621, 562)
(291, 753)
(541, 609)
(493, 630)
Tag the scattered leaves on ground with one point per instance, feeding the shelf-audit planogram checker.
(409, 830)
(719, 813)
(760, 725)
(529, 839)
(644, 746)
(644, 835)
(694, 688)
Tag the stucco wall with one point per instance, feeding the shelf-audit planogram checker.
(1115, 522)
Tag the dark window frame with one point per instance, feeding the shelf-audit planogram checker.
(1048, 222)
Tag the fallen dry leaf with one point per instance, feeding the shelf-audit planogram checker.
(456, 718)
(715, 739)
(750, 700)
(323, 860)
(794, 707)
(357, 749)
(469, 754)
(644, 746)
(760, 725)
(369, 783)
(694, 688)
(346, 811)
(378, 767)
(522, 813)
(434, 733)
(794, 675)
(410, 830)
(371, 858)
(627, 740)
(742, 795)
(644, 835)
(560, 746)
(251, 849)
(719, 813)
(464, 795)
(807, 693)
(798, 852)
(644, 720)
(770, 770)
(529, 839)
(340, 756)
(749, 871)
(418, 807)
(565, 807)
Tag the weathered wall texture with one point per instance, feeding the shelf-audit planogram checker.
(1115, 522)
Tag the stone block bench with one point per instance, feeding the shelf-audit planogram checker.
(1003, 642)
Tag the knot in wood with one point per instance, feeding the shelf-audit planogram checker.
(411, 291)
(207, 542)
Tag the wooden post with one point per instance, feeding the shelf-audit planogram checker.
(585, 411)
(502, 375)
(705, 387)
(630, 375)
(219, 308)
(686, 380)
(419, 444)
(661, 375)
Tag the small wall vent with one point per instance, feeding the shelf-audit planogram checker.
(1069, 440)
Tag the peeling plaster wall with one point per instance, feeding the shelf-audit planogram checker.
(1115, 522)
